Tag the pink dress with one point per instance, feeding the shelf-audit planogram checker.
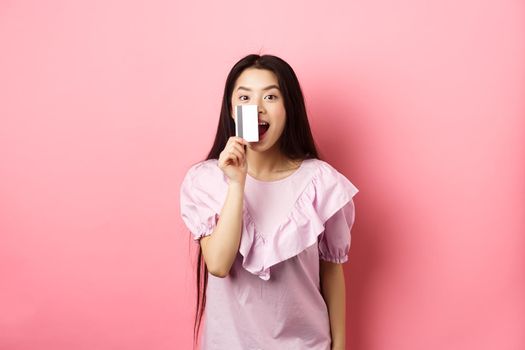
(271, 299)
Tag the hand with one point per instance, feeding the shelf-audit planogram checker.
(232, 159)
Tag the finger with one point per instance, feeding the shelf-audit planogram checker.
(224, 159)
(240, 151)
(235, 160)
(239, 148)
(232, 146)
(240, 140)
(237, 154)
(244, 142)
(231, 142)
(229, 154)
(230, 161)
(236, 139)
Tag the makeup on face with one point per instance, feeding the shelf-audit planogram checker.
(246, 122)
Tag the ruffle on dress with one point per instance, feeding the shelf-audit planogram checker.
(325, 200)
(327, 193)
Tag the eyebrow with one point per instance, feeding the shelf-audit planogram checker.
(266, 88)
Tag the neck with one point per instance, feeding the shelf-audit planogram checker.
(267, 162)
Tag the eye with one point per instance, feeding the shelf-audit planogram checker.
(241, 97)
(272, 98)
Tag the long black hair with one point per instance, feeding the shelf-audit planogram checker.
(296, 141)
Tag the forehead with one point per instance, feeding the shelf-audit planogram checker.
(255, 78)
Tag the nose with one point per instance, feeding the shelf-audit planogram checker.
(261, 109)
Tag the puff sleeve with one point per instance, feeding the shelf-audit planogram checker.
(334, 242)
(197, 201)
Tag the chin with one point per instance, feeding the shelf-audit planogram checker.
(262, 146)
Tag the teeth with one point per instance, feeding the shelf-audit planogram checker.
(263, 123)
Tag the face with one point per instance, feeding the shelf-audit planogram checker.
(260, 87)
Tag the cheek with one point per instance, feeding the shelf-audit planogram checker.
(282, 122)
(280, 112)
(283, 116)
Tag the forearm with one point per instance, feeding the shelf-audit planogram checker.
(334, 294)
(223, 244)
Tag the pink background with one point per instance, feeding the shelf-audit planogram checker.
(105, 104)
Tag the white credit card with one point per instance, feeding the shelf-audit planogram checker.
(247, 122)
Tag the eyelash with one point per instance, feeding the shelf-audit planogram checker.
(240, 97)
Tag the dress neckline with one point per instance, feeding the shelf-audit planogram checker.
(301, 166)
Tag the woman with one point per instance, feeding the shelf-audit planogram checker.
(272, 221)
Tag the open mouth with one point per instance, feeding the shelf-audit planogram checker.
(263, 128)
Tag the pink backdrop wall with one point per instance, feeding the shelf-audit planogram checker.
(98, 126)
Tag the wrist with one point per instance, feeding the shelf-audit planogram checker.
(236, 184)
